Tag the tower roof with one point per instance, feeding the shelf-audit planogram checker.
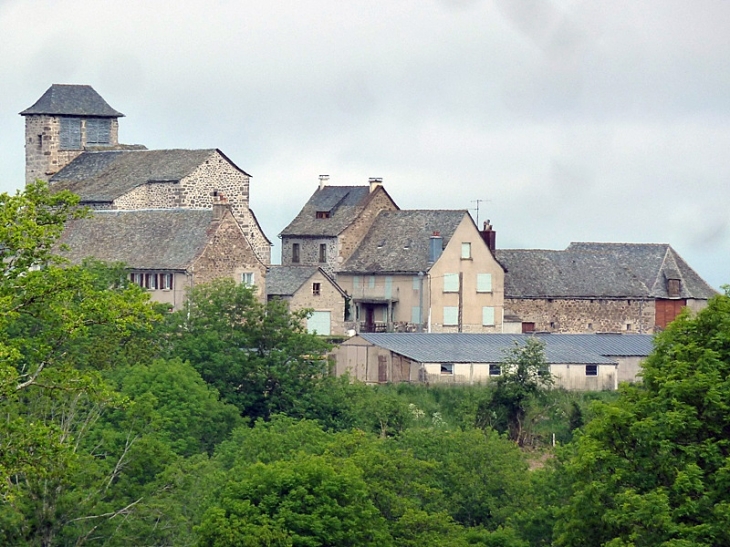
(72, 100)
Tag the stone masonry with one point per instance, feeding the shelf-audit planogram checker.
(43, 154)
(585, 315)
(355, 232)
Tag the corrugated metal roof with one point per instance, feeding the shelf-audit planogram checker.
(493, 348)
(72, 100)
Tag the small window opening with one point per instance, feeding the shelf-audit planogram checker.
(295, 253)
(316, 289)
(495, 370)
(323, 214)
(591, 370)
(323, 252)
(447, 368)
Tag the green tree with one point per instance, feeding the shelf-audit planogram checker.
(308, 502)
(525, 377)
(654, 468)
(258, 356)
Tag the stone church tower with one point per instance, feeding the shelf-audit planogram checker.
(64, 122)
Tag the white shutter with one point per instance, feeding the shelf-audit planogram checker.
(319, 323)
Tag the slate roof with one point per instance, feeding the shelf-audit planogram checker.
(286, 280)
(145, 239)
(398, 241)
(343, 203)
(599, 270)
(493, 348)
(104, 176)
(72, 100)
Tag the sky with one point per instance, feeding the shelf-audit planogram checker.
(563, 120)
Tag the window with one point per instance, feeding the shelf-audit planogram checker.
(152, 281)
(323, 214)
(487, 316)
(451, 282)
(466, 250)
(447, 368)
(495, 370)
(316, 289)
(247, 278)
(295, 253)
(323, 252)
(484, 282)
(98, 131)
(451, 315)
(70, 135)
(356, 282)
(416, 315)
(591, 370)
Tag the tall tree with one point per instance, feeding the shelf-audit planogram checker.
(654, 468)
(260, 357)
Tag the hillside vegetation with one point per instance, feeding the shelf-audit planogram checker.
(219, 425)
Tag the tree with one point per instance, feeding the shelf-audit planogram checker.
(258, 356)
(51, 391)
(525, 376)
(654, 468)
(311, 501)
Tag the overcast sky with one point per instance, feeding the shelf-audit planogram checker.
(567, 120)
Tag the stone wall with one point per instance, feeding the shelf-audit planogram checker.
(153, 195)
(329, 299)
(43, 156)
(309, 252)
(229, 254)
(583, 315)
(351, 237)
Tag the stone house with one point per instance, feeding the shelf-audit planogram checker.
(592, 362)
(332, 223)
(168, 251)
(424, 270)
(310, 287)
(600, 287)
(72, 142)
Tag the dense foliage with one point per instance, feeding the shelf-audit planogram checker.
(219, 425)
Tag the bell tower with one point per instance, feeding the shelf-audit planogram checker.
(63, 123)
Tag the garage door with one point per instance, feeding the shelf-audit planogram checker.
(319, 322)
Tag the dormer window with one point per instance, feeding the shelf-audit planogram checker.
(674, 288)
(323, 214)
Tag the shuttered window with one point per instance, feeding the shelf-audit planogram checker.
(451, 315)
(487, 316)
(484, 282)
(70, 136)
(451, 282)
(98, 131)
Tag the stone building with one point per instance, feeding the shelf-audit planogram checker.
(167, 251)
(332, 223)
(310, 287)
(600, 287)
(72, 141)
(428, 270)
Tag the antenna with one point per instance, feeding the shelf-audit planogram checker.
(478, 201)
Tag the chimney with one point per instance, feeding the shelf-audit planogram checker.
(489, 236)
(220, 205)
(375, 182)
(322, 180)
(435, 247)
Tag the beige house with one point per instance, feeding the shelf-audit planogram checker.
(588, 362)
(429, 270)
(332, 223)
(168, 251)
(311, 288)
(600, 287)
(71, 141)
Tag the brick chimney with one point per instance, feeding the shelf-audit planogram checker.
(489, 236)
